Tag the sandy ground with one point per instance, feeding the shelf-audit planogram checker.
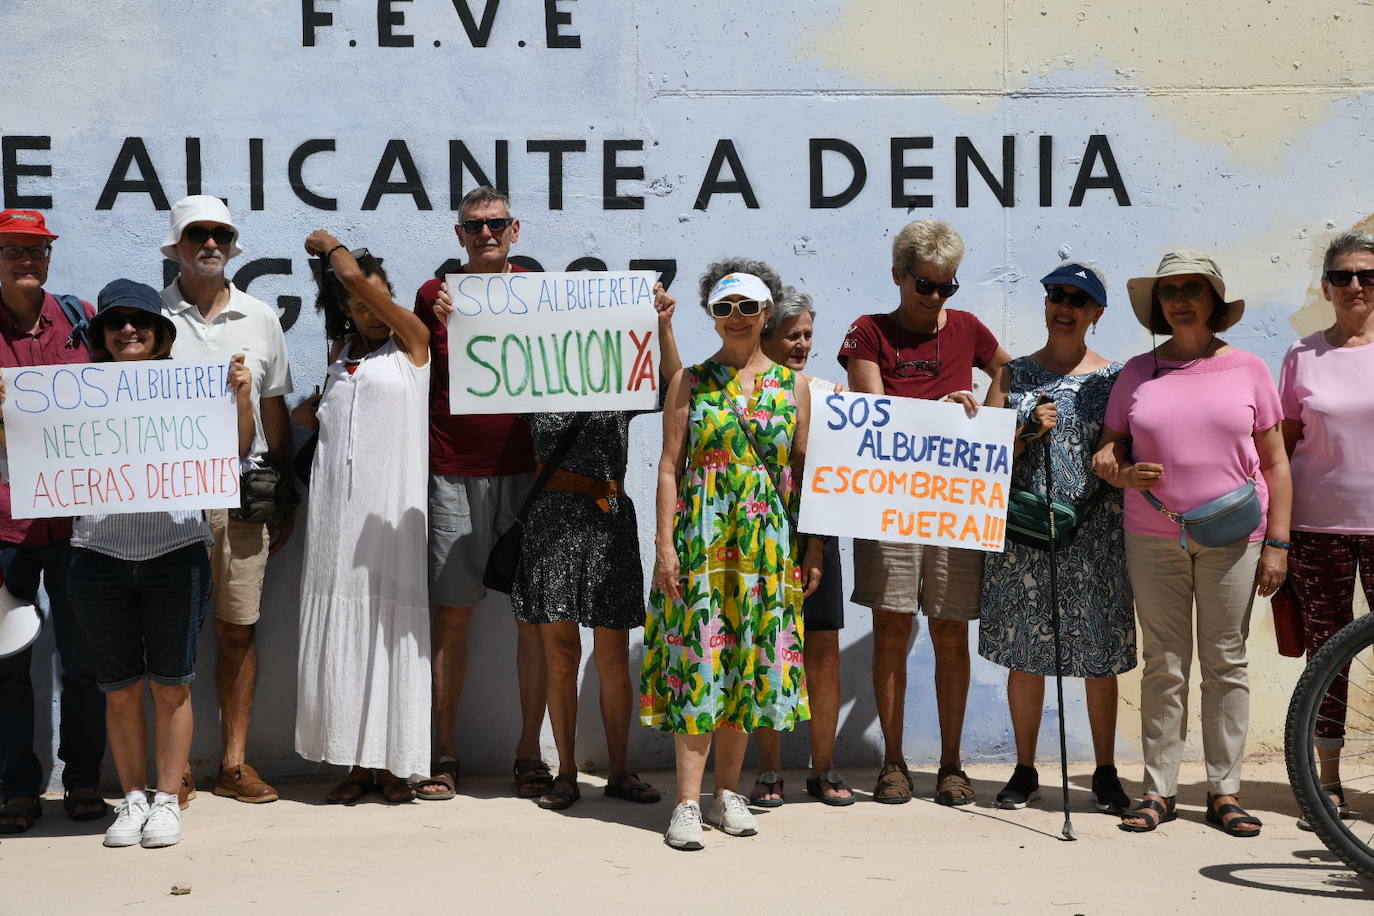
(488, 852)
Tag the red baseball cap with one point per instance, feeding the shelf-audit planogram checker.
(24, 222)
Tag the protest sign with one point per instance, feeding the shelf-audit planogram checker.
(902, 469)
(552, 341)
(118, 437)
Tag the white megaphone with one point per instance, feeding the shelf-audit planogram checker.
(19, 623)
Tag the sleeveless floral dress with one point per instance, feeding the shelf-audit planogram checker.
(729, 653)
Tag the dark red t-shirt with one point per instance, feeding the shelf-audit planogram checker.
(467, 445)
(46, 346)
(906, 358)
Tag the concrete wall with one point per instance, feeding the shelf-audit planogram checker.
(1107, 131)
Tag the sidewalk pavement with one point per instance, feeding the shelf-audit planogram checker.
(487, 851)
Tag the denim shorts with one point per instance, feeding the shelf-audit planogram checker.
(142, 617)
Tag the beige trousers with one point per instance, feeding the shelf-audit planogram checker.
(1168, 580)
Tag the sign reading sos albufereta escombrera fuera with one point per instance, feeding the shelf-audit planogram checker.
(904, 469)
(116, 437)
(533, 342)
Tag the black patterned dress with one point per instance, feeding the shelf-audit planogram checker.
(1096, 606)
(579, 562)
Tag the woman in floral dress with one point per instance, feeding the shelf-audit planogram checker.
(723, 639)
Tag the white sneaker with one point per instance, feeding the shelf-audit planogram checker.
(163, 827)
(684, 830)
(730, 812)
(127, 828)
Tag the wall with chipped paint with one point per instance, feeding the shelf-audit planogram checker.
(1243, 131)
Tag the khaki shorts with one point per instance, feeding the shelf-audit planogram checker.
(941, 582)
(238, 561)
(466, 516)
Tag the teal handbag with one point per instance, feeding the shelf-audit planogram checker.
(1028, 518)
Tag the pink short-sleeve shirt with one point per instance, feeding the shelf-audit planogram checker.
(1199, 421)
(1328, 390)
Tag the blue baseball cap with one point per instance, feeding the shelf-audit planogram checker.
(1072, 273)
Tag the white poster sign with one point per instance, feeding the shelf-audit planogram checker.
(121, 437)
(902, 469)
(532, 341)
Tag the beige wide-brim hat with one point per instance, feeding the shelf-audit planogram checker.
(1182, 261)
(199, 208)
(19, 624)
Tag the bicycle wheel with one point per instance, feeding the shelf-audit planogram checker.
(1352, 649)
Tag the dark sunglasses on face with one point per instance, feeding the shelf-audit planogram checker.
(140, 321)
(1077, 298)
(197, 235)
(15, 252)
(1190, 290)
(746, 307)
(1339, 278)
(497, 225)
(926, 287)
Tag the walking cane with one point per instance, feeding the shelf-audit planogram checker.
(1054, 626)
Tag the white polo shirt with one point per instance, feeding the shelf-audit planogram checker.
(248, 326)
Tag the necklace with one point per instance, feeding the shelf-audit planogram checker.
(1187, 365)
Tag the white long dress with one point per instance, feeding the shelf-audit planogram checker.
(363, 692)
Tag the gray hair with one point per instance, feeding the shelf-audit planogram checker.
(791, 304)
(1346, 242)
(726, 266)
(483, 194)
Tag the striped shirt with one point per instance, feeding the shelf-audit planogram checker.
(136, 536)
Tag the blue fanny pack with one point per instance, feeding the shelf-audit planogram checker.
(1228, 518)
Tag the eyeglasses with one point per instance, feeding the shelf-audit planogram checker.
(497, 225)
(1190, 290)
(1076, 299)
(919, 368)
(1339, 278)
(140, 321)
(197, 235)
(746, 307)
(926, 287)
(15, 252)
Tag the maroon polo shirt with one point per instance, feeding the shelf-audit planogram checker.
(45, 346)
(467, 445)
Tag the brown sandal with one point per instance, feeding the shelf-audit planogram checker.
(394, 789)
(532, 777)
(894, 785)
(952, 786)
(84, 803)
(352, 787)
(442, 773)
(557, 799)
(637, 790)
(26, 809)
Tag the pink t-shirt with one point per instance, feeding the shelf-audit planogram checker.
(1199, 422)
(1330, 391)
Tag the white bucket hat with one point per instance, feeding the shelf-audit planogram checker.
(199, 208)
(19, 624)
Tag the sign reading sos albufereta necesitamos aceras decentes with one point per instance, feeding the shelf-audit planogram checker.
(527, 342)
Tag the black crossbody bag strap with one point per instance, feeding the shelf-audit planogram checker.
(560, 451)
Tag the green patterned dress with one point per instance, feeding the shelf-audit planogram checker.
(729, 654)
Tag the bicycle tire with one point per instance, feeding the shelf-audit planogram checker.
(1299, 732)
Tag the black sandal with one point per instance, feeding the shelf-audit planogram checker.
(816, 790)
(352, 787)
(1152, 812)
(1234, 827)
(768, 779)
(532, 777)
(84, 803)
(638, 791)
(557, 799)
(26, 814)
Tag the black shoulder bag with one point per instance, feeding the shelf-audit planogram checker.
(503, 563)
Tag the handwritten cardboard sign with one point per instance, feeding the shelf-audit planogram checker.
(902, 469)
(552, 341)
(121, 437)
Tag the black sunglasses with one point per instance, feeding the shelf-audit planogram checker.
(15, 252)
(140, 320)
(497, 225)
(1077, 299)
(746, 307)
(1341, 278)
(197, 235)
(1190, 290)
(926, 287)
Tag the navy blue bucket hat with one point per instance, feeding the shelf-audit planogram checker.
(130, 294)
